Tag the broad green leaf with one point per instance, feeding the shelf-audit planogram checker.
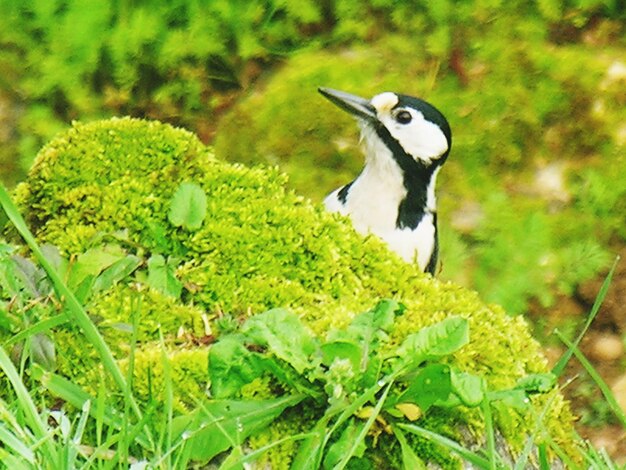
(433, 342)
(537, 383)
(515, 398)
(285, 336)
(341, 350)
(84, 288)
(53, 255)
(231, 366)
(410, 460)
(42, 351)
(364, 333)
(430, 385)
(116, 272)
(369, 325)
(222, 424)
(31, 275)
(341, 446)
(92, 262)
(4, 219)
(161, 276)
(8, 276)
(469, 388)
(233, 461)
(188, 207)
(381, 317)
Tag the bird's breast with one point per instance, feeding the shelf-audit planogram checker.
(373, 207)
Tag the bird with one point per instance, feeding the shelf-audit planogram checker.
(406, 140)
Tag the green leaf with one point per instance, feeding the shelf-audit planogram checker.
(231, 366)
(536, 383)
(161, 276)
(514, 398)
(410, 460)
(309, 454)
(381, 317)
(338, 350)
(32, 277)
(430, 385)
(233, 461)
(8, 275)
(92, 262)
(436, 341)
(469, 388)
(341, 446)
(285, 336)
(447, 443)
(116, 272)
(188, 207)
(42, 351)
(16, 445)
(358, 341)
(222, 424)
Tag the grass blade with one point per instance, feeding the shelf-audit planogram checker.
(72, 307)
(165, 439)
(562, 362)
(261, 450)
(11, 441)
(368, 424)
(34, 421)
(448, 443)
(410, 460)
(604, 388)
(39, 327)
(489, 430)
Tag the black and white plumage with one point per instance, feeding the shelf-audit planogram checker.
(406, 141)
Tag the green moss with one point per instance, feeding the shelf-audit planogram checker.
(260, 246)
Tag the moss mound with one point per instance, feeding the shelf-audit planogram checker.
(260, 246)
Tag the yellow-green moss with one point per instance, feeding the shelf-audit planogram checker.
(260, 247)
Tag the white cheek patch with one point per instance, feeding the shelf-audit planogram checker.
(384, 102)
(420, 138)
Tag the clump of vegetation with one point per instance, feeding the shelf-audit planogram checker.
(170, 249)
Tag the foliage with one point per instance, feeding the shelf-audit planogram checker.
(259, 247)
(180, 61)
(349, 378)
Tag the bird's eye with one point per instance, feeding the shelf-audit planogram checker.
(404, 117)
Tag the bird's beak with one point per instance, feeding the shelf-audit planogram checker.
(355, 105)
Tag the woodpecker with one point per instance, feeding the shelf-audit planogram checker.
(406, 141)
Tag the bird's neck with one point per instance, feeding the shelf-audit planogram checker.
(408, 185)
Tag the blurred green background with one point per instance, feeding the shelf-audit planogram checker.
(533, 197)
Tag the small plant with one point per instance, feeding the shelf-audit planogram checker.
(358, 383)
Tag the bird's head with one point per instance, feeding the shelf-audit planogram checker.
(406, 125)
